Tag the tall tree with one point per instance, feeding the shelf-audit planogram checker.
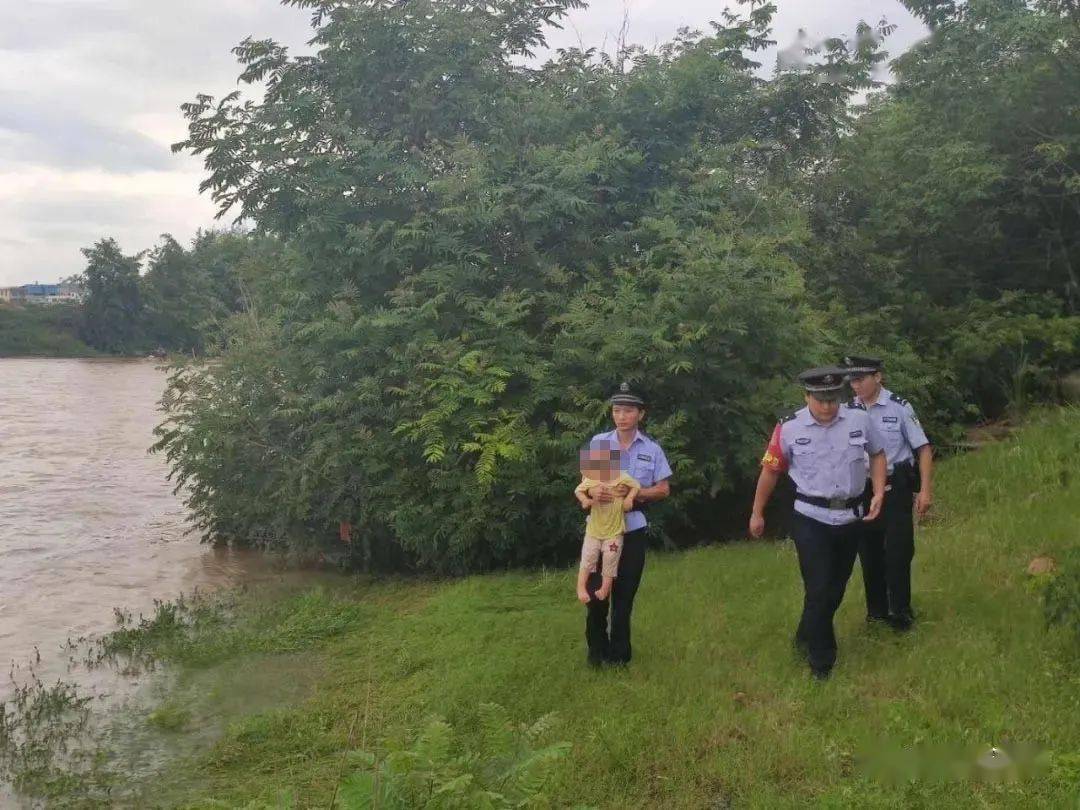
(184, 302)
(113, 306)
(964, 179)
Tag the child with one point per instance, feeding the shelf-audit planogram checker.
(606, 523)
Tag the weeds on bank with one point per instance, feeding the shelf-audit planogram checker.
(45, 748)
(52, 738)
(199, 630)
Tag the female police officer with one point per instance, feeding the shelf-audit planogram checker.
(649, 467)
(822, 448)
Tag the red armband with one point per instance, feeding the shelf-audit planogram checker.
(774, 455)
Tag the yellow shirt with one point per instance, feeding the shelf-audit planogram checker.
(606, 520)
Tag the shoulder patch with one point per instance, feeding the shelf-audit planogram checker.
(855, 405)
(898, 398)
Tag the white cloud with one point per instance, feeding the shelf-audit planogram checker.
(90, 91)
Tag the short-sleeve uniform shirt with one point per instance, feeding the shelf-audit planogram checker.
(646, 463)
(824, 461)
(897, 427)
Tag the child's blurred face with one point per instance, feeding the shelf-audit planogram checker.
(600, 463)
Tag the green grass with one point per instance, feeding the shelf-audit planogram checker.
(714, 711)
(40, 330)
(170, 717)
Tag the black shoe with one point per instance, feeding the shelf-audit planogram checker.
(821, 673)
(876, 618)
(901, 622)
(595, 661)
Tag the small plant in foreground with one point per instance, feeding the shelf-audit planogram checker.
(508, 768)
(1062, 595)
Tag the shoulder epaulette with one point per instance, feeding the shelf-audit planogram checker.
(898, 398)
(855, 405)
(787, 417)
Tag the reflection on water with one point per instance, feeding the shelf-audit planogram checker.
(88, 521)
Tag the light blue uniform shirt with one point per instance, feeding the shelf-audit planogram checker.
(897, 427)
(828, 461)
(646, 463)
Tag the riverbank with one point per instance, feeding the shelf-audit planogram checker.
(713, 712)
(42, 330)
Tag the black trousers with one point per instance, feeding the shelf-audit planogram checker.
(614, 644)
(826, 557)
(886, 549)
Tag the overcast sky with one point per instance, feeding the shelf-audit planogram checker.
(90, 90)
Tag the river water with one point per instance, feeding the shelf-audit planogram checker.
(88, 520)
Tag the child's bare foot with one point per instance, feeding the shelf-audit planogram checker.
(602, 592)
(583, 595)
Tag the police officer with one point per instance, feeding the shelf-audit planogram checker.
(648, 465)
(888, 544)
(823, 447)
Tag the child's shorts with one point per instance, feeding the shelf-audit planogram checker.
(610, 548)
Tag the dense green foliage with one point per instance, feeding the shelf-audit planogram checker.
(112, 308)
(475, 248)
(952, 213)
(178, 304)
(42, 331)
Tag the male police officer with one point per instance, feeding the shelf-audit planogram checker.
(648, 465)
(888, 544)
(823, 448)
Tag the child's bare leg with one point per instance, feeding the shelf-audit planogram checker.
(582, 591)
(590, 556)
(605, 588)
(609, 566)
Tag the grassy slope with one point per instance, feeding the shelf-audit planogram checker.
(41, 331)
(715, 711)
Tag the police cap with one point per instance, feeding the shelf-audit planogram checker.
(825, 383)
(856, 365)
(625, 396)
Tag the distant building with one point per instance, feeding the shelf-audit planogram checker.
(41, 293)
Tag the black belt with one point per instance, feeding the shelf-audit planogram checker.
(830, 503)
